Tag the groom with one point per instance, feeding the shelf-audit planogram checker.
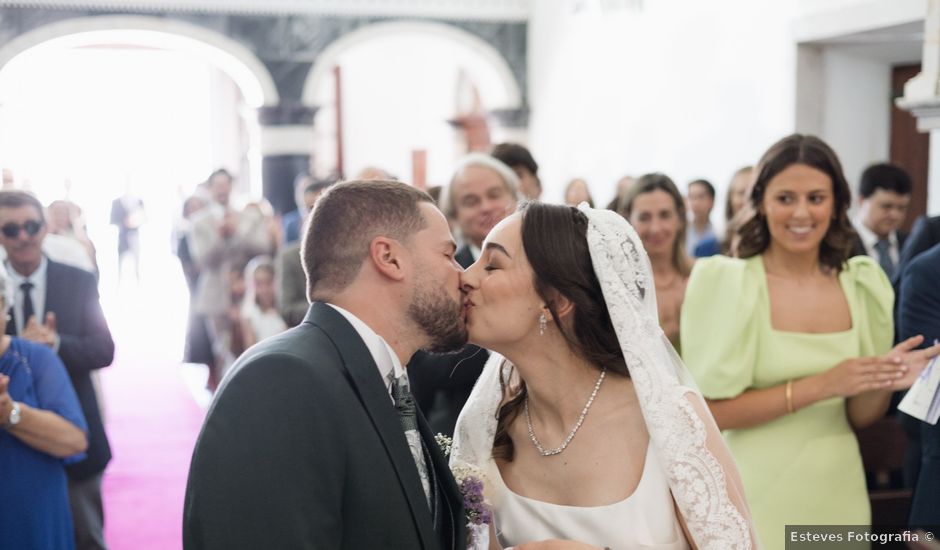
(312, 440)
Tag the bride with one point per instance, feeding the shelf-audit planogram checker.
(579, 448)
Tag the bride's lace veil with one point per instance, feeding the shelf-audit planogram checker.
(697, 463)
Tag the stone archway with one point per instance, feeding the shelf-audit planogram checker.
(248, 72)
(506, 96)
(424, 59)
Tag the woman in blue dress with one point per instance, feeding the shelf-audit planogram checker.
(41, 429)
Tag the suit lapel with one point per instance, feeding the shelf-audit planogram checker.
(373, 394)
(54, 290)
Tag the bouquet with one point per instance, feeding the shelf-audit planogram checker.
(470, 482)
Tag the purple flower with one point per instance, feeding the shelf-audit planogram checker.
(471, 487)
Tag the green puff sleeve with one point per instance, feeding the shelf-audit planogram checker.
(873, 309)
(718, 326)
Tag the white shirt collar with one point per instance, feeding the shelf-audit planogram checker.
(38, 294)
(869, 239)
(475, 251)
(384, 356)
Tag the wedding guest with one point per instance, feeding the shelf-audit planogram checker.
(918, 307)
(127, 214)
(223, 236)
(291, 221)
(259, 316)
(198, 345)
(57, 306)
(885, 193)
(66, 239)
(523, 164)
(623, 186)
(701, 201)
(656, 210)
(42, 429)
(237, 289)
(577, 192)
(924, 234)
(791, 344)
(734, 202)
(291, 281)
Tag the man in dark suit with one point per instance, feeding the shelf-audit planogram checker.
(313, 440)
(919, 313)
(924, 234)
(884, 195)
(57, 305)
(481, 193)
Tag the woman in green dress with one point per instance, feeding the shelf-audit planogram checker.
(791, 343)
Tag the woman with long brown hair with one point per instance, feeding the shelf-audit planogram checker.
(655, 208)
(791, 344)
(584, 424)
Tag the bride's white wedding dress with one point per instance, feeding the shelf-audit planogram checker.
(645, 519)
(688, 466)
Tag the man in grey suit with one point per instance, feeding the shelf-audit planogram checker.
(313, 440)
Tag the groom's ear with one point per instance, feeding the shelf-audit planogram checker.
(386, 255)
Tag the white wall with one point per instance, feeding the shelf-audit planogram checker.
(856, 110)
(697, 89)
(399, 90)
(692, 89)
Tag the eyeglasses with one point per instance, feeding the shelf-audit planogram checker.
(12, 230)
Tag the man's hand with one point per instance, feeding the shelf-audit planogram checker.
(41, 334)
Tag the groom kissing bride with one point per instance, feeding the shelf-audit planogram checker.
(313, 440)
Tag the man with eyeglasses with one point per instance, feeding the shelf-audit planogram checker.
(57, 305)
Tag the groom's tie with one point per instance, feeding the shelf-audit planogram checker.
(408, 414)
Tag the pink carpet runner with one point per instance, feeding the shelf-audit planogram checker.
(152, 421)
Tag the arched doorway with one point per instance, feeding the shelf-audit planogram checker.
(402, 82)
(88, 109)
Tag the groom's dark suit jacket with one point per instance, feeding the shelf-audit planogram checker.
(302, 448)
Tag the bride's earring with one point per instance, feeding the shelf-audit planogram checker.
(543, 322)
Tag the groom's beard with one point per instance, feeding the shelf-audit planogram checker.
(438, 316)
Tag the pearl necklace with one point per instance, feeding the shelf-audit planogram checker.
(558, 450)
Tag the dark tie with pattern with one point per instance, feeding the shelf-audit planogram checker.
(27, 302)
(883, 247)
(408, 415)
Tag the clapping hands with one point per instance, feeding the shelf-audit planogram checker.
(41, 334)
(895, 370)
(914, 359)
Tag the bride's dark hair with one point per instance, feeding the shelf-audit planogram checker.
(554, 238)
